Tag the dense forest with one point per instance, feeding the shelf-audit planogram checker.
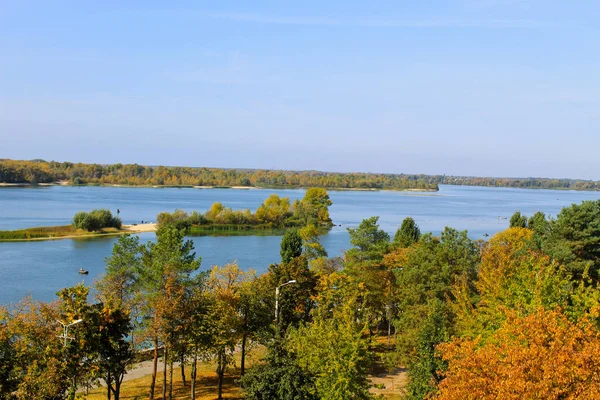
(515, 317)
(39, 171)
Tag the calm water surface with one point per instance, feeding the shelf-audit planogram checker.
(41, 268)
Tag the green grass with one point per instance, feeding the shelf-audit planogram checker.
(48, 232)
(233, 230)
(40, 232)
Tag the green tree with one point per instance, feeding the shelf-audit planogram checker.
(79, 351)
(430, 271)
(364, 262)
(408, 233)
(107, 331)
(518, 221)
(426, 366)
(538, 222)
(119, 285)
(255, 308)
(313, 209)
(96, 220)
(291, 245)
(169, 258)
(224, 284)
(313, 249)
(295, 300)
(278, 377)
(370, 243)
(200, 325)
(332, 346)
(573, 239)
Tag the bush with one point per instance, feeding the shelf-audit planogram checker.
(180, 219)
(96, 220)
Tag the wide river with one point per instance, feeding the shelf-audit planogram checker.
(41, 268)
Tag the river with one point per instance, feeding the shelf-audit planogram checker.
(41, 268)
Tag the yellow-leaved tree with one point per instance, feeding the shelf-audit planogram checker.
(539, 356)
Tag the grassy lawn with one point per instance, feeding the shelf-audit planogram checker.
(206, 385)
(206, 382)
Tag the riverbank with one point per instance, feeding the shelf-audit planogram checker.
(68, 232)
(337, 189)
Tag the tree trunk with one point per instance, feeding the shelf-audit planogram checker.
(154, 369)
(108, 385)
(220, 373)
(118, 382)
(182, 365)
(389, 332)
(171, 380)
(193, 377)
(243, 361)
(164, 388)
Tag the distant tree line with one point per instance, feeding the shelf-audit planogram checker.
(523, 183)
(275, 212)
(39, 171)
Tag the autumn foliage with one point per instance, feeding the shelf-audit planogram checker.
(539, 356)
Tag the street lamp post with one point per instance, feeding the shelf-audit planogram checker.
(65, 334)
(66, 337)
(277, 299)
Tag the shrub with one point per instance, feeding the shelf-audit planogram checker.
(96, 220)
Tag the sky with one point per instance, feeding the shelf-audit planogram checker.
(466, 87)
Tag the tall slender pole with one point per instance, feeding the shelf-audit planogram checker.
(276, 305)
(65, 336)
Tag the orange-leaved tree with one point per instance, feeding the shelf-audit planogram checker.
(542, 356)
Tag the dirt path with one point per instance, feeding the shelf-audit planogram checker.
(143, 369)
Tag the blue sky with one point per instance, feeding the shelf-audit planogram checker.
(465, 87)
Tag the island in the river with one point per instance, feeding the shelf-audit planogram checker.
(275, 213)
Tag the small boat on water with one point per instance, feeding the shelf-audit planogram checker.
(83, 271)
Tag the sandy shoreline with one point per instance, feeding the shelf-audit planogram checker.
(151, 227)
(67, 183)
(125, 229)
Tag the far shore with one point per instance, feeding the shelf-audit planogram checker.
(67, 183)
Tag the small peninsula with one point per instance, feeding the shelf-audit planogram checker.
(95, 223)
(275, 213)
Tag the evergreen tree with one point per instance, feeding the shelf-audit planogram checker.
(291, 245)
(408, 233)
(518, 221)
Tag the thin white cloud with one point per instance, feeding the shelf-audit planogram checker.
(441, 22)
